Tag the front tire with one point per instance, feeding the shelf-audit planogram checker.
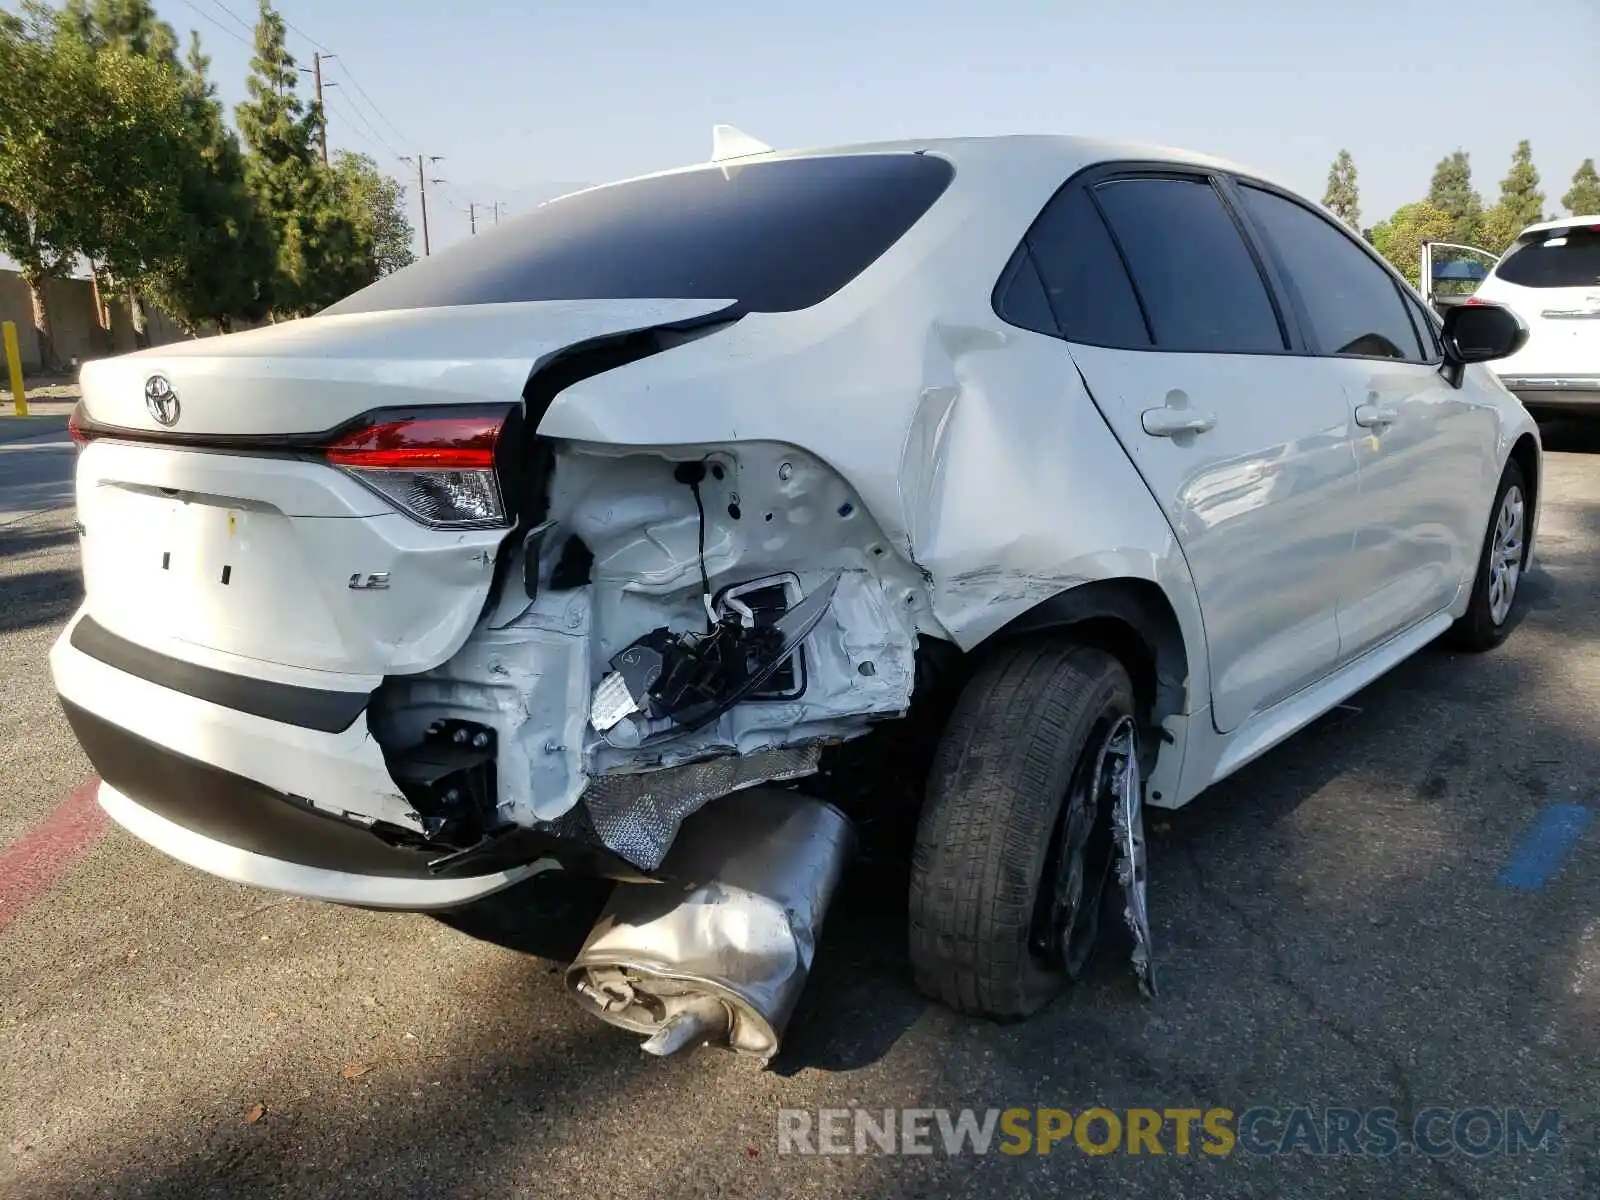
(1014, 852)
(1496, 586)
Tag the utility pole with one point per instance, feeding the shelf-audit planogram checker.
(422, 191)
(497, 207)
(322, 109)
(472, 217)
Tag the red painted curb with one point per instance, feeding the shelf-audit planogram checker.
(31, 865)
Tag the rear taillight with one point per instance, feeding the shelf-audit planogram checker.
(75, 430)
(438, 468)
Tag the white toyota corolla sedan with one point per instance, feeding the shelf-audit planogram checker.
(1107, 466)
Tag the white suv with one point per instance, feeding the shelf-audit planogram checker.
(721, 477)
(1551, 278)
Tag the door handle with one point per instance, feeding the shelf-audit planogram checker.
(1371, 416)
(1170, 422)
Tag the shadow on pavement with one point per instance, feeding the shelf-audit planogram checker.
(1328, 930)
(39, 598)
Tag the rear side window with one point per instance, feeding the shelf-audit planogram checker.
(772, 236)
(1200, 285)
(1084, 280)
(1553, 258)
(1353, 304)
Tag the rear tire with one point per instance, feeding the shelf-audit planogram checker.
(1501, 566)
(990, 857)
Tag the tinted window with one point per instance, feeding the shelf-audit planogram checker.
(774, 236)
(1352, 303)
(1021, 296)
(1198, 281)
(1084, 279)
(1553, 258)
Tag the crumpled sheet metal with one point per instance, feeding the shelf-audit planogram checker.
(637, 815)
(1133, 868)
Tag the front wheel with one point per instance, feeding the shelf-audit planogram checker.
(1014, 851)
(1497, 583)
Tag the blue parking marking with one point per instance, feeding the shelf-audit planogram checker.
(1546, 847)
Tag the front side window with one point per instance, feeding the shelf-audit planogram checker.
(1198, 281)
(771, 236)
(1554, 258)
(1353, 305)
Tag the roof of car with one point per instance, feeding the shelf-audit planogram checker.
(1056, 155)
(1563, 223)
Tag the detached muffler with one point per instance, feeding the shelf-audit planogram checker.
(720, 956)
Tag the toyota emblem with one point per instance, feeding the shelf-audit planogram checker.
(161, 400)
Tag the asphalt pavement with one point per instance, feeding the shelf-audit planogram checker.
(1384, 912)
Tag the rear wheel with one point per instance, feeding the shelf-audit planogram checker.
(1497, 584)
(1014, 850)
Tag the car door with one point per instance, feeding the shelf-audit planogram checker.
(1169, 318)
(1425, 445)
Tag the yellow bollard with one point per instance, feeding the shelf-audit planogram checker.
(8, 334)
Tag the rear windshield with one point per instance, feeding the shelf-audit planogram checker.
(1554, 258)
(774, 236)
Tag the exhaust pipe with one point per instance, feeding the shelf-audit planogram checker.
(719, 956)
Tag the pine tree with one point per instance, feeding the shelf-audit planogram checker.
(223, 271)
(1343, 197)
(1584, 198)
(320, 256)
(1451, 191)
(129, 25)
(1521, 202)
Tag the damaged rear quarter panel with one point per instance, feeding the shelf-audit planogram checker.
(950, 467)
(972, 443)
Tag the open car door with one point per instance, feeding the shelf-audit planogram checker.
(1446, 278)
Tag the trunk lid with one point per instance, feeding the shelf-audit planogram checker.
(215, 531)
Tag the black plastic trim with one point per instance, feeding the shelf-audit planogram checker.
(251, 816)
(288, 704)
(239, 812)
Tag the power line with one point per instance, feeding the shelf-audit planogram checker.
(356, 83)
(248, 28)
(305, 35)
(202, 12)
(353, 115)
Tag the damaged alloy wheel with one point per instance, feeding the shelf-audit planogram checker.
(1016, 844)
(1082, 857)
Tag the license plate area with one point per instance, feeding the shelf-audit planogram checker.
(206, 570)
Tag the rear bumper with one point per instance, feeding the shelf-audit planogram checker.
(223, 791)
(1576, 392)
(319, 883)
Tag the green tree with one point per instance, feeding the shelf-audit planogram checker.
(1343, 197)
(1400, 238)
(1451, 191)
(320, 256)
(129, 25)
(222, 270)
(91, 145)
(1521, 202)
(1584, 198)
(375, 204)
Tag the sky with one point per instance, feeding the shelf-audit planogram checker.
(525, 101)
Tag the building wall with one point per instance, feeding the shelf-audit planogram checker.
(78, 335)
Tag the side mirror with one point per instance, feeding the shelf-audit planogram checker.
(1479, 332)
